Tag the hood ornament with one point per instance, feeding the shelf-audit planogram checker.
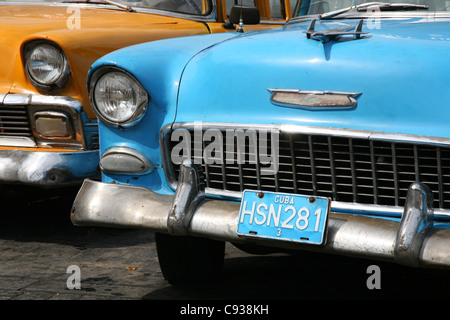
(314, 100)
(325, 36)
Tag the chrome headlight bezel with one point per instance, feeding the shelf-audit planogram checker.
(97, 76)
(60, 79)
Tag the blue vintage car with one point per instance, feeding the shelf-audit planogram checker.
(327, 134)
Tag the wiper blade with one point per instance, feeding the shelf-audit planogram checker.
(382, 6)
(122, 6)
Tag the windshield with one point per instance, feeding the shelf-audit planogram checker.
(314, 7)
(197, 7)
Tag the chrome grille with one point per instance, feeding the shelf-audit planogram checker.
(14, 121)
(346, 169)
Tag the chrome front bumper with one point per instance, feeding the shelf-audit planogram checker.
(413, 240)
(47, 169)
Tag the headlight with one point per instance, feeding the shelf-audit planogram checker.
(46, 65)
(118, 98)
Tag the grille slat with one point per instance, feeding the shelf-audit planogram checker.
(354, 170)
(14, 121)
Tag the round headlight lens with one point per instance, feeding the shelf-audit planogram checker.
(46, 66)
(119, 98)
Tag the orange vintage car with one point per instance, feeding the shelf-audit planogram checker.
(48, 131)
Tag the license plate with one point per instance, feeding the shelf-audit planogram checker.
(283, 216)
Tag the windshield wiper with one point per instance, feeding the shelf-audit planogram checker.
(121, 6)
(382, 6)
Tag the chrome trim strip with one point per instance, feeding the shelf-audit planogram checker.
(325, 131)
(369, 135)
(336, 206)
(351, 96)
(17, 142)
(188, 16)
(431, 16)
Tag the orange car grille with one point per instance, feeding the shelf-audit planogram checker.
(14, 121)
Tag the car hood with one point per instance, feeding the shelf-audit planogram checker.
(400, 68)
(100, 31)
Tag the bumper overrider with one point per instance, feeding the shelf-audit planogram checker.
(46, 141)
(412, 241)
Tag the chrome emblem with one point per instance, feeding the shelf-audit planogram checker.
(314, 100)
(325, 36)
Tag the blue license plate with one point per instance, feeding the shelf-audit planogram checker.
(283, 216)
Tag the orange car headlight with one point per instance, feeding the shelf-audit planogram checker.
(46, 65)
